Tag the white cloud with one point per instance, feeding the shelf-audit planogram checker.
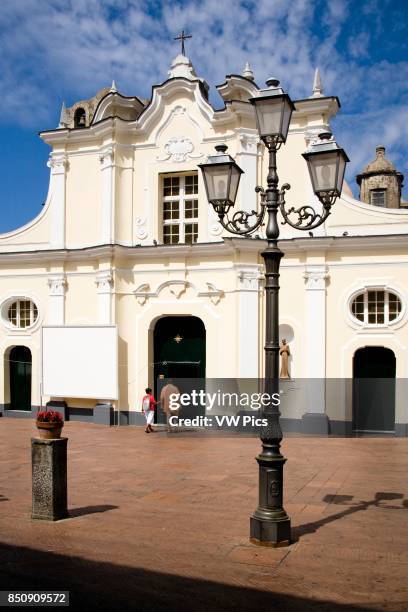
(358, 45)
(55, 49)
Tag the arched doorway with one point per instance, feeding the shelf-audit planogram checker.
(179, 347)
(179, 351)
(20, 378)
(374, 390)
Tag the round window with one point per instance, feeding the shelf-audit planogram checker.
(22, 313)
(376, 307)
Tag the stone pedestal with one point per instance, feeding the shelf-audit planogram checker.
(49, 478)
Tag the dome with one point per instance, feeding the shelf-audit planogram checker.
(380, 164)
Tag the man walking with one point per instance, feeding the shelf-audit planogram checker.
(168, 390)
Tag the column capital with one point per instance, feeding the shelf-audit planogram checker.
(249, 278)
(316, 277)
(107, 156)
(57, 284)
(249, 142)
(104, 281)
(58, 162)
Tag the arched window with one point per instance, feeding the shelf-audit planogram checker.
(22, 313)
(376, 307)
(80, 118)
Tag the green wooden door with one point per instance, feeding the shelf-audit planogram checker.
(20, 378)
(374, 390)
(179, 352)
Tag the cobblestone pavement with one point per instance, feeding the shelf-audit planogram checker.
(161, 522)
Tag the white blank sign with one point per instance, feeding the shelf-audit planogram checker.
(80, 361)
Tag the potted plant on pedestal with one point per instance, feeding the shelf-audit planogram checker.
(49, 424)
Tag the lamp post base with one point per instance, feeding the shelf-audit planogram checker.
(270, 524)
(264, 532)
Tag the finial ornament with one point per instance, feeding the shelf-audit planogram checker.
(113, 88)
(248, 72)
(182, 37)
(63, 121)
(317, 85)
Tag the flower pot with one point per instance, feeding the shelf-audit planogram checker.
(49, 431)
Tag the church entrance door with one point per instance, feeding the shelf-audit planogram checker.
(20, 378)
(179, 351)
(374, 390)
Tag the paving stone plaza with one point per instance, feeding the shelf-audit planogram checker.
(161, 522)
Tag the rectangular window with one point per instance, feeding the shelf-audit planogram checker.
(377, 197)
(180, 209)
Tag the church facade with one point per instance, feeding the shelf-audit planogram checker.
(127, 243)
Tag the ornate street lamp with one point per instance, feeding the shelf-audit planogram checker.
(327, 164)
(270, 524)
(273, 110)
(221, 179)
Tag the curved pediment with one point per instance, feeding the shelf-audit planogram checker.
(115, 104)
(171, 89)
(237, 87)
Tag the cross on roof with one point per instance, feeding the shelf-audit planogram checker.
(182, 37)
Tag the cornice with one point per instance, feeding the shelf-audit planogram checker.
(374, 243)
(325, 104)
(387, 172)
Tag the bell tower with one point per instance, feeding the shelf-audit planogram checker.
(380, 183)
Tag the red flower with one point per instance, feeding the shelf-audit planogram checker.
(50, 416)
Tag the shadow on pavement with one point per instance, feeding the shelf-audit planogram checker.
(346, 500)
(2, 498)
(106, 586)
(72, 513)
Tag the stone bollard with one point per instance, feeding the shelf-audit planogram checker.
(49, 478)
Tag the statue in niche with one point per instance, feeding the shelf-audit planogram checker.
(284, 352)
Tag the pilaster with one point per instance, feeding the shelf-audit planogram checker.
(104, 285)
(56, 313)
(107, 161)
(247, 159)
(58, 163)
(316, 277)
(248, 288)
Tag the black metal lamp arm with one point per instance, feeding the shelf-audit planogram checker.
(305, 217)
(240, 223)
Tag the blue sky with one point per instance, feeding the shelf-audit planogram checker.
(54, 50)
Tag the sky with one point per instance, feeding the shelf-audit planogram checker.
(55, 50)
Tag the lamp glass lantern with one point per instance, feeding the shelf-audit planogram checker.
(273, 111)
(221, 176)
(326, 162)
